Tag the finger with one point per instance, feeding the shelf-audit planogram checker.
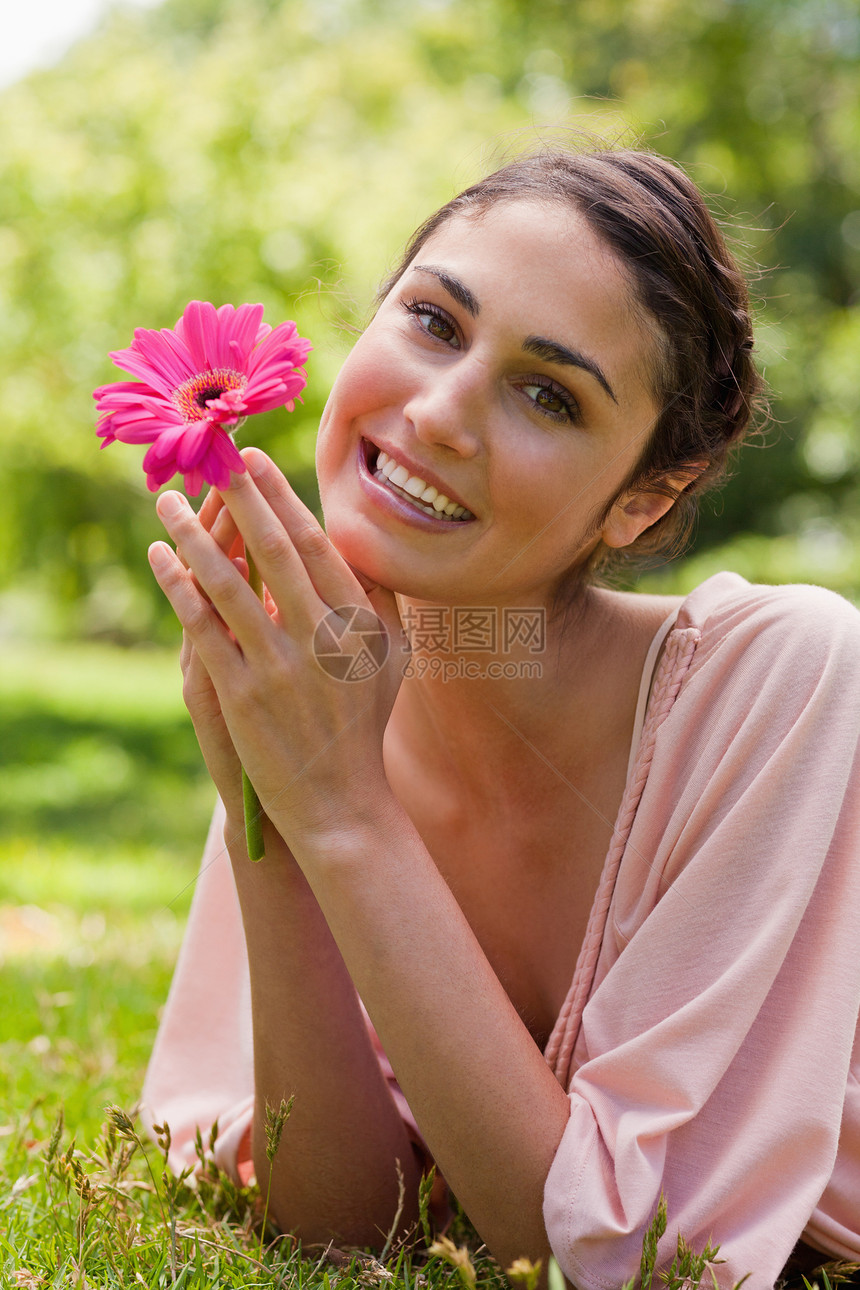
(190, 606)
(292, 550)
(214, 516)
(226, 534)
(186, 652)
(274, 485)
(213, 505)
(225, 594)
(353, 587)
(217, 747)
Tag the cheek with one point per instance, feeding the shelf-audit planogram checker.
(366, 383)
(346, 401)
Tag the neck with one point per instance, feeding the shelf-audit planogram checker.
(490, 693)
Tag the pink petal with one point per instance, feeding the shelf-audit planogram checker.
(173, 340)
(198, 328)
(282, 349)
(224, 449)
(130, 429)
(194, 444)
(134, 395)
(159, 475)
(194, 481)
(164, 449)
(135, 413)
(264, 395)
(167, 352)
(227, 408)
(239, 333)
(123, 387)
(157, 358)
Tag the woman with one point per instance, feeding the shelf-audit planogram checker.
(600, 913)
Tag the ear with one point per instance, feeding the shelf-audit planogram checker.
(635, 511)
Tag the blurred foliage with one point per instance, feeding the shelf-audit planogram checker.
(283, 150)
(97, 751)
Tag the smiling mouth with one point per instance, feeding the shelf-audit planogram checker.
(411, 488)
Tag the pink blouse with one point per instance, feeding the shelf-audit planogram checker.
(709, 1040)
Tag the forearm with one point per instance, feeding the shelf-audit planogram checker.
(489, 1107)
(335, 1173)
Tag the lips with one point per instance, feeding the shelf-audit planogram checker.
(448, 515)
(415, 483)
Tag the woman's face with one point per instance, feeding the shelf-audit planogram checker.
(508, 372)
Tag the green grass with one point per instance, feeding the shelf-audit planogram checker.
(97, 748)
(103, 809)
(104, 805)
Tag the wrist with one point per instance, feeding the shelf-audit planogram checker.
(235, 840)
(234, 836)
(351, 831)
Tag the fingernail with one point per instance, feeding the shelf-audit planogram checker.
(159, 556)
(170, 505)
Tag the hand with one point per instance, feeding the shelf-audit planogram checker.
(199, 693)
(311, 743)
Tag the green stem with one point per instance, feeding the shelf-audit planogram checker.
(253, 810)
(253, 819)
(265, 1213)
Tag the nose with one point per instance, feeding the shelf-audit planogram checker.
(450, 406)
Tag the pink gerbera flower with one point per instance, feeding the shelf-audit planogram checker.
(213, 369)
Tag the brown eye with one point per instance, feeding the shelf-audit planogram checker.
(438, 327)
(434, 321)
(552, 400)
(549, 401)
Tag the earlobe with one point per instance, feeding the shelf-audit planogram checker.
(636, 511)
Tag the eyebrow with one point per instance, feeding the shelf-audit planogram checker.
(551, 352)
(548, 350)
(454, 287)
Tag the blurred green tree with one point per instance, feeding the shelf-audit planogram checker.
(282, 151)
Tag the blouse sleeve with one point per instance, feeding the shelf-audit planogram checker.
(201, 1069)
(714, 1051)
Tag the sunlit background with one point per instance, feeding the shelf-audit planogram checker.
(282, 151)
(38, 33)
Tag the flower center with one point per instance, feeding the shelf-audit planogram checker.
(192, 395)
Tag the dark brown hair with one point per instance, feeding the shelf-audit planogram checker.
(705, 382)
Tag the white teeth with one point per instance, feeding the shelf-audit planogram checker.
(418, 490)
(449, 510)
